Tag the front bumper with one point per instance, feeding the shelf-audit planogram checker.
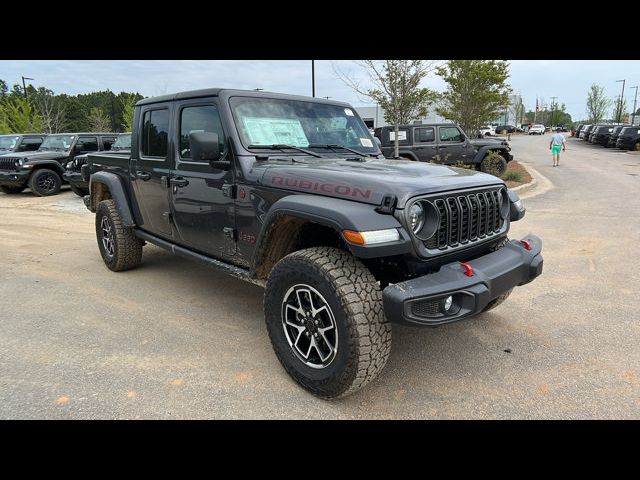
(419, 301)
(75, 179)
(14, 178)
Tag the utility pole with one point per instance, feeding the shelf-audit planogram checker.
(633, 114)
(24, 87)
(553, 110)
(313, 78)
(621, 100)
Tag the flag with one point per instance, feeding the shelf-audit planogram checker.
(537, 105)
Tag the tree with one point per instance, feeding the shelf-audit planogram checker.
(4, 88)
(18, 115)
(98, 120)
(51, 109)
(620, 112)
(476, 93)
(395, 86)
(128, 105)
(597, 104)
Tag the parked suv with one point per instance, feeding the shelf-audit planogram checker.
(444, 143)
(27, 142)
(505, 129)
(73, 173)
(537, 129)
(600, 135)
(42, 170)
(292, 193)
(586, 131)
(614, 135)
(629, 138)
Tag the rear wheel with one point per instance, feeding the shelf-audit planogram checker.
(12, 189)
(119, 247)
(323, 310)
(45, 182)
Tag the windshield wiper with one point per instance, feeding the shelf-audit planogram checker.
(334, 146)
(281, 146)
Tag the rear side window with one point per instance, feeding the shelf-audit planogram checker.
(155, 132)
(31, 144)
(450, 134)
(88, 144)
(201, 118)
(107, 142)
(425, 135)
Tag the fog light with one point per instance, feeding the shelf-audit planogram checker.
(448, 302)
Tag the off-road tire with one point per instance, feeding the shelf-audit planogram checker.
(126, 247)
(498, 300)
(636, 147)
(354, 297)
(81, 192)
(44, 182)
(10, 190)
(494, 164)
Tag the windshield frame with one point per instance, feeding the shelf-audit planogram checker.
(115, 145)
(234, 100)
(70, 135)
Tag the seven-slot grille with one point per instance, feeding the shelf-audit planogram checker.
(8, 163)
(466, 218)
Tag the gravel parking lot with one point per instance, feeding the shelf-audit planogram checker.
(176, 339)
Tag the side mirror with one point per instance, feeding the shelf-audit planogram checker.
(204, 146)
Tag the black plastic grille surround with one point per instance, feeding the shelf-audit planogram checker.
(8, 163)
(466, 218)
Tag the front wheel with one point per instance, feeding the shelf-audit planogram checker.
(10, 190)
(119, 247)
(323, 310)
(494, 164)
(45, 182)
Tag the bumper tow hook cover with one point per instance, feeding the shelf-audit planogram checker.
(468, 270)
(526, 244)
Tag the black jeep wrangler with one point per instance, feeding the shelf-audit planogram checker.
(293, 193)
(444, 143)
(27, 142)
(42, 170)
(629, 138)
(73, 174)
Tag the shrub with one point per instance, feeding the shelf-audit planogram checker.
(512, 177)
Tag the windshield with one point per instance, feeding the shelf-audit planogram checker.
(123, 142)
(269, 121)
(57, 142)
(8, 142)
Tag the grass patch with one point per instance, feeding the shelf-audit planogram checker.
(512, 176)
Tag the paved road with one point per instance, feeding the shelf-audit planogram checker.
(174, 339)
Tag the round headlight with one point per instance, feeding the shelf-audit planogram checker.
(19, 162)
(416, 217)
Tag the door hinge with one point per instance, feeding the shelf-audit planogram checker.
(229, 190)
(164, 181)
(230, 233)
(167, 217)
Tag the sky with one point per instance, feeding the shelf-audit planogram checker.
(568, 80)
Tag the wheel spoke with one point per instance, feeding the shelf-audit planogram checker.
(326, 341)
(300, 304)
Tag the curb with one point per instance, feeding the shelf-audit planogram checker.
(526, 187)
(538, 185)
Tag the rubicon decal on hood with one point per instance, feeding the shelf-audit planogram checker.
(323, 187)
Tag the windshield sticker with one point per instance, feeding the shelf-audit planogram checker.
(349, 112)
(366, 142)
(402, 135)
(272, 131)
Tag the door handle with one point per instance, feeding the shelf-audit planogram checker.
(179, 182)
(440, 148)
(143, 175)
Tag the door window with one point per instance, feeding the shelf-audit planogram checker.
(201, 118)
(450, 134)
(425, 135)
(107, 142)
(31, 144)
(88, 144)
(155, 132)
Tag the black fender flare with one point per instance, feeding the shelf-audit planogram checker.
(338, 214)
(50, 164)
(408, 154)
(118, 194)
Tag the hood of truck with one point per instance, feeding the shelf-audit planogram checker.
(481, 142)
(367, 181)
(41, 155)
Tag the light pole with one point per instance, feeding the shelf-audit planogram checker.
(24, 87)
(635, 98)
(313, 78)
(553, 110)
(621, 100)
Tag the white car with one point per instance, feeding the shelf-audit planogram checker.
(489, 131)
(536, 130)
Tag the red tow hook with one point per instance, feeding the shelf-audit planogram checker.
(526, 244)
(468, 271)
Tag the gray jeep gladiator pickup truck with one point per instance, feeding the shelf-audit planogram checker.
(293, 193)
